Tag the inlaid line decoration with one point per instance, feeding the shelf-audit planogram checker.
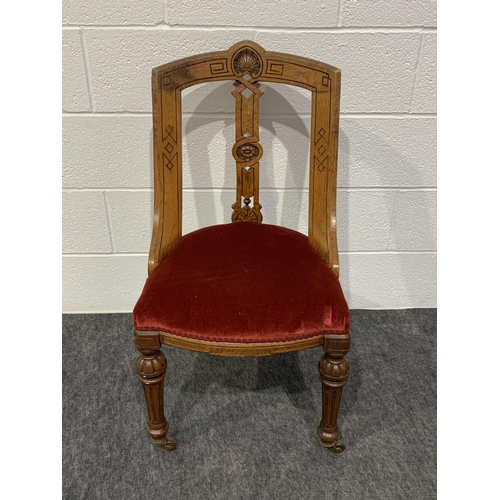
(219, 67)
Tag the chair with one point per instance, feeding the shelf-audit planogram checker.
(191, 298)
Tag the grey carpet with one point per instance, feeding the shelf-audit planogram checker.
(246, 427)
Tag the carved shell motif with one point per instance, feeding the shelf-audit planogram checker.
(246, 62)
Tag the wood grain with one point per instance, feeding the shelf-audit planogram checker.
(240, 349)
(170, 79)
(247, 64)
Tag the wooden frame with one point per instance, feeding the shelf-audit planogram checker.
(247, 64)
(169, 80)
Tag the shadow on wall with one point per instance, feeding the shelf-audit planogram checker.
(282, 207)
(401, 277)
(286, 165)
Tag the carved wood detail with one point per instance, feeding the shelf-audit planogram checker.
(245, 63)
(333, 372)
(247, 151)
(240, 349)
(151, 366)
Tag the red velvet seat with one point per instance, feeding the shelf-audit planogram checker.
(243, 282)
(245, 288)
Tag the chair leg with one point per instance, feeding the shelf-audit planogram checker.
(333, 373)
(151, 366)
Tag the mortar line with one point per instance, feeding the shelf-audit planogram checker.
(417, 71)
(345, 252)
(165, 12)
(227, 114)
(272, 29)
(264, 189)
(340, 7)
(108, 217)
(86, 64)
(391, 223)
(129, 311)
(114, 254)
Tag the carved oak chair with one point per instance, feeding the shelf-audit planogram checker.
(189, 298)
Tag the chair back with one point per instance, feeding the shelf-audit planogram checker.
(247, 64)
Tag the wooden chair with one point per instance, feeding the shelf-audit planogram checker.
(192, 298)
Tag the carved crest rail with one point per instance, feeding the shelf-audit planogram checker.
(247, 64)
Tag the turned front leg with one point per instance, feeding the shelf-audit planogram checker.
(151, 367)
(333, 373)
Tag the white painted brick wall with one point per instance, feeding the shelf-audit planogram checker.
(389, 13)
(281, 13)
(75, 93)
(387, 151)
(85, 225)
(424, 95)
(110, 12)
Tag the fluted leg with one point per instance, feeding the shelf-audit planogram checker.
(333, 373)
(151, 366)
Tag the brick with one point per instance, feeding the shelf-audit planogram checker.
(414, 225)
(206, 208)
(121, 12)
(108, 283)
(74, 82)
(363, 217)
(389, 13)
(377, 68)
(278, 99)
(364, 220)
(131, 214)
(285, 13)
(386, 152)
(286, 208)
(370, 281)
(373, 152)
(206, 153)
(84, 226)
(107, 151)
(121, 60)
(208, 160)
(389, 281)
(425, 93)
(212, 97)
(285, 163)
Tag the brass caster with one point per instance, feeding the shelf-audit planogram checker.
(338, 446)
(167, 443)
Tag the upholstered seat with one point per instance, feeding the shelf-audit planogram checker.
(245, 288)
(244, 282)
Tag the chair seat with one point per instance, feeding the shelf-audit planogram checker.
(243, 282)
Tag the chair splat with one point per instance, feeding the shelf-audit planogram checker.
(247, 151)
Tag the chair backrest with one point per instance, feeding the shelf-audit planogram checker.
(247, 63)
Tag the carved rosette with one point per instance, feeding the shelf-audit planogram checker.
(247, 151)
